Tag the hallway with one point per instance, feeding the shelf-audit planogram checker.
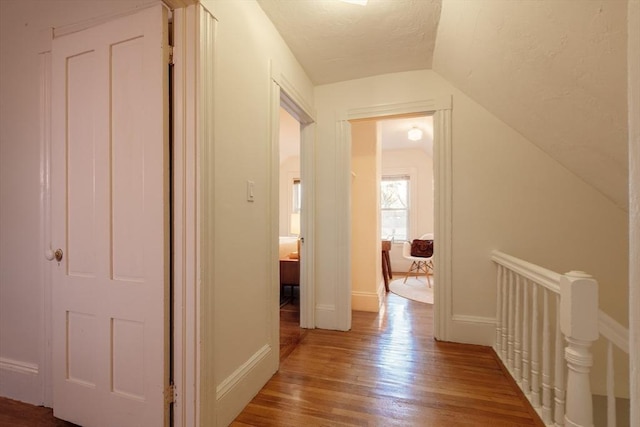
(388, 371)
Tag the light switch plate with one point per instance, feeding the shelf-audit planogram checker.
(250, 191)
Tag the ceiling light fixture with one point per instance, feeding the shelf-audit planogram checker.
(360, 2)
(414, 134)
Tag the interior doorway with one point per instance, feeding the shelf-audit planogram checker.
(294, 220)
(440, 109)
(392, 203)
(289, 219)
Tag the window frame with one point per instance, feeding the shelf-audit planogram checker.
(412, 174)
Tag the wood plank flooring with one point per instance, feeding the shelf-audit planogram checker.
(18, 414)
(388, 371)
(290, 332)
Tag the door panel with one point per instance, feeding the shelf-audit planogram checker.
(110, 218)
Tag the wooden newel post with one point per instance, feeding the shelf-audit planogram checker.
(579, 324)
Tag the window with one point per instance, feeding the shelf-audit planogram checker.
(297, 196)
(394, 207)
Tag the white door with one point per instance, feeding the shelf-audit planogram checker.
(110, 205)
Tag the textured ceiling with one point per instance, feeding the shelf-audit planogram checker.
(336, 41)
(554, 70)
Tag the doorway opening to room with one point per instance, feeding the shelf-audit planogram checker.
(289, 237)
(392, 194)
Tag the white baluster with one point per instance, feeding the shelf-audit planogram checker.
(510, 337)
(579, 323)
(526, 341)
(535, 350)
(518, 334)
(505, 308)
(611, 397)
(498, 344)
(558, 411)
(546, 359)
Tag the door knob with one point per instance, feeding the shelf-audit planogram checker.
(58, 255)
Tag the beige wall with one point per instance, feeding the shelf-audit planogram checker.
(507, 195)
(366, 275)
(239, 306)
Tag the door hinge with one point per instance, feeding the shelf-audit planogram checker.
(170, 394)
(171, 55)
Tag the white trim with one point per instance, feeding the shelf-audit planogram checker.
(613, 331)
(285, 94)
(384, 110)
(235, 391)
(472, 329)
(194, 50)
(307, 228)
(343, 284)
(243, 371)
(18, 366)
(443, 224)
(542, 276)
(326, 315)
(474, 319)
(294, 102)
(443, 190)
(45, 226)
(633, 101)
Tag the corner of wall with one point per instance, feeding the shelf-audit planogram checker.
(21, 381)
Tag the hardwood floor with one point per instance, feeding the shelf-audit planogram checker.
(18, 414)
(388, 371)
(290, 332)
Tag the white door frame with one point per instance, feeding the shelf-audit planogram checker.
(285, 94)
(442, 172)
(194, 51)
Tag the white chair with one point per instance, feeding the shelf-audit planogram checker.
(419, 265)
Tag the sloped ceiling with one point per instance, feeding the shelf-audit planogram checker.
(336, 41)
(554, 70)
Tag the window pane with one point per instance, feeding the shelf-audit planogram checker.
(394, 224)
(297, 196)
(394, 193)
(394, 207)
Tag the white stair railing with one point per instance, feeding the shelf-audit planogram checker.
(546, 323)
(615, 335)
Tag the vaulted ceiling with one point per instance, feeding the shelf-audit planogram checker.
(554, 70)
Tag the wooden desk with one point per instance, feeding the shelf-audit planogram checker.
(386, 263)
(289, 273)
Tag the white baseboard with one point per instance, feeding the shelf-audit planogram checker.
(326, 316)
(473, 329)
(237, 390)
(20, 381)
(365, 301)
